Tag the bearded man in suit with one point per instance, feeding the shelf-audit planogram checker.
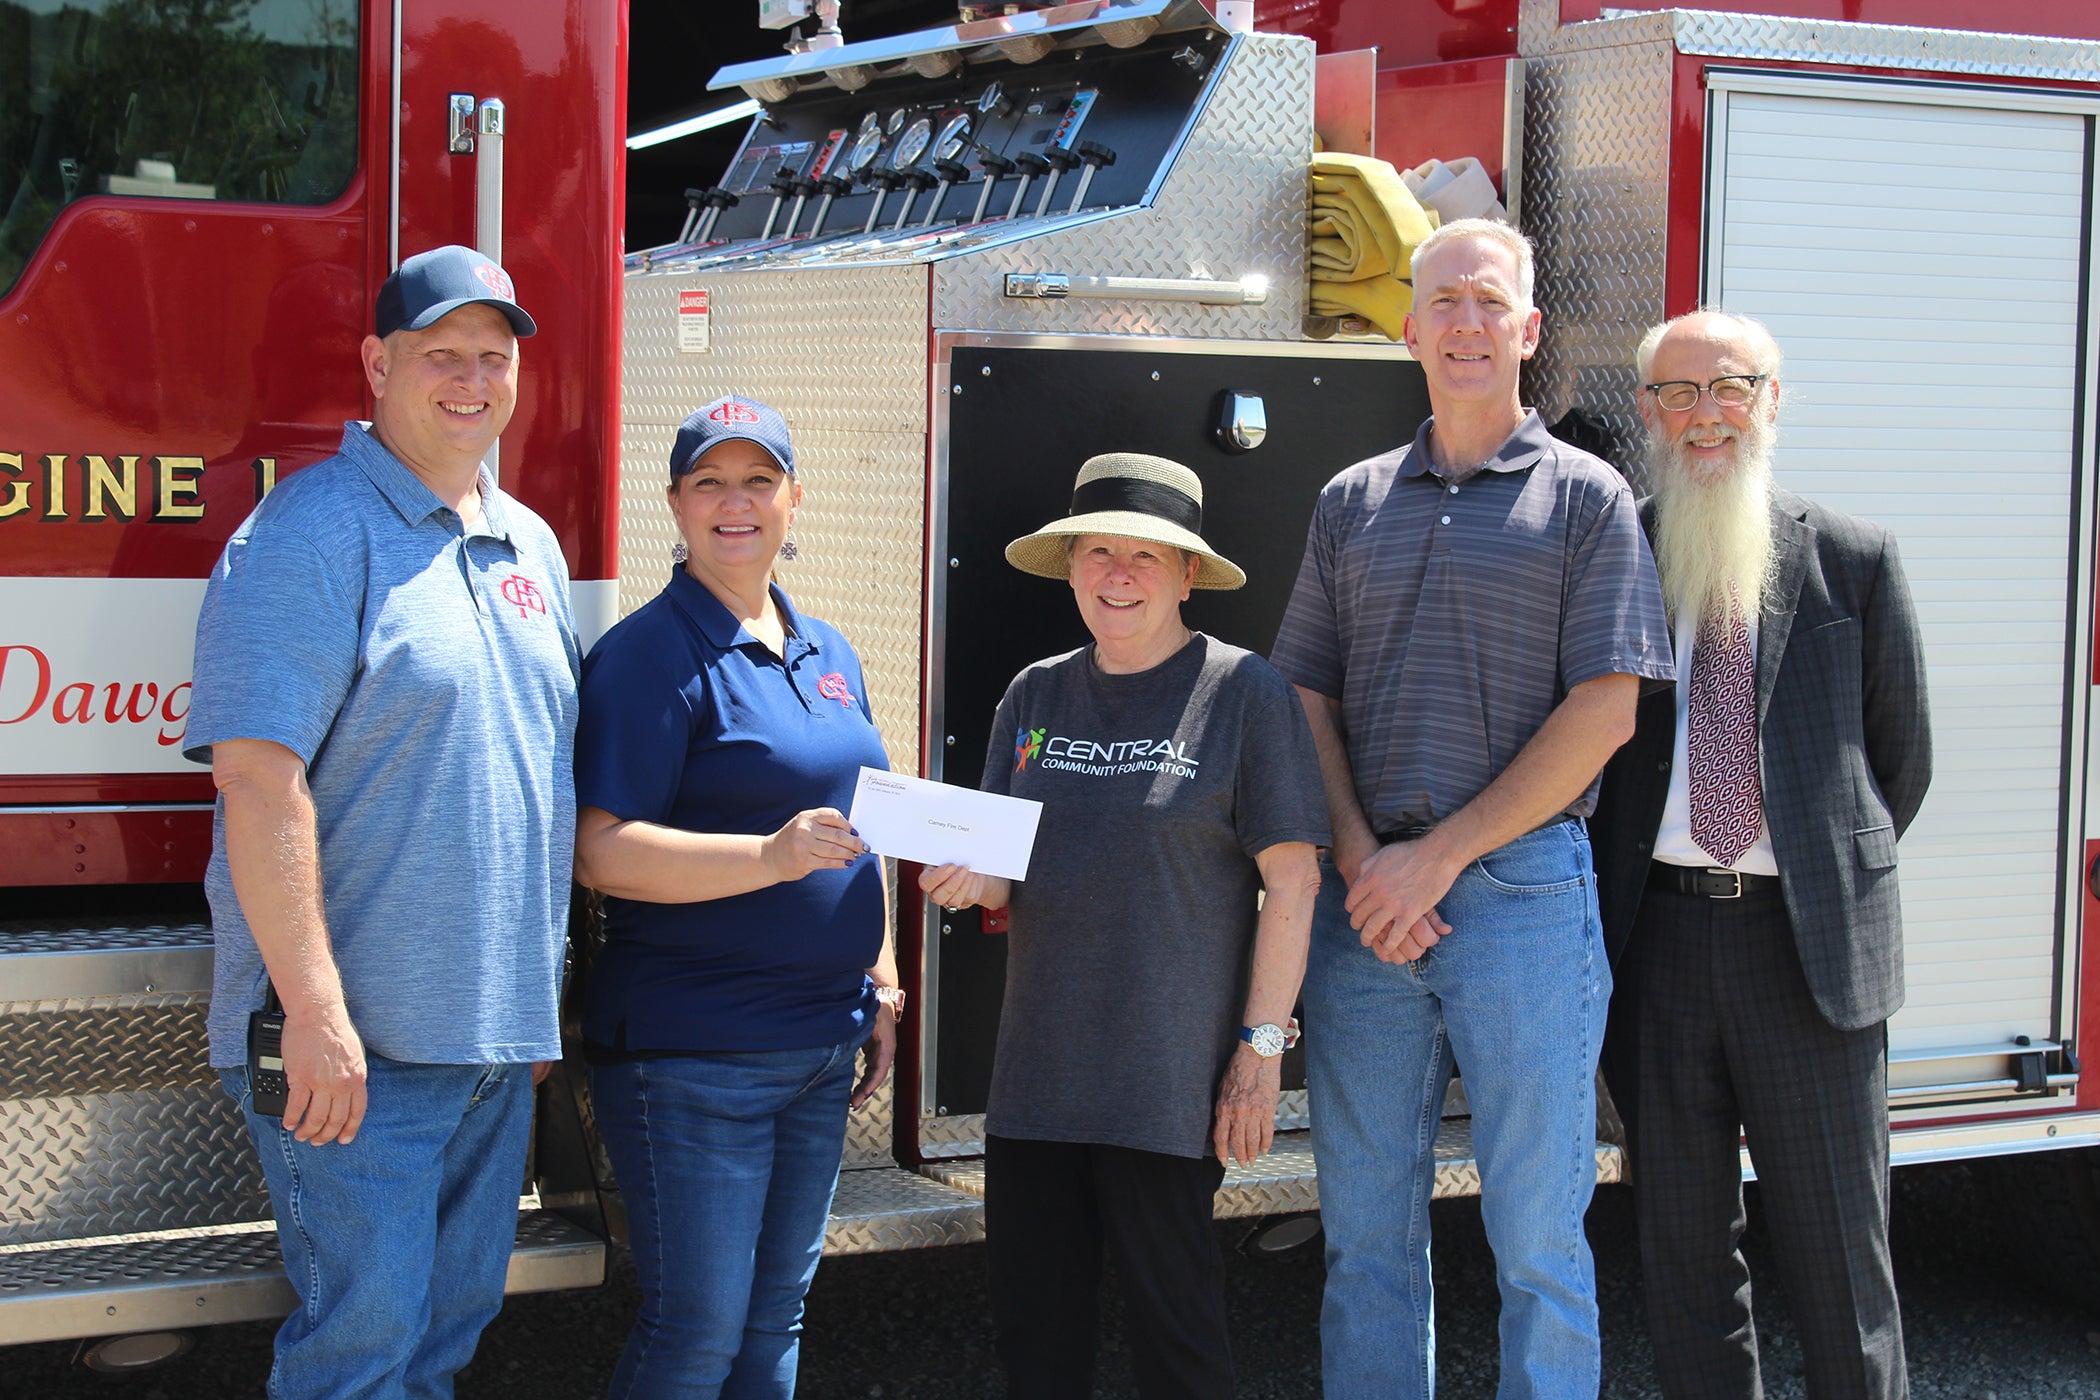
(1746, 863)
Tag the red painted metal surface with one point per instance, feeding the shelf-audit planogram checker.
(559, 67)
(104, 848)
(1405, 32)
(1444, 110)
(2063, 19)
(195, 349)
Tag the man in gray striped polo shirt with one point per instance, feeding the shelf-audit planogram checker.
(1474, 619)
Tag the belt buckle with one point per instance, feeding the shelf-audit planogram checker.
(1734, 875)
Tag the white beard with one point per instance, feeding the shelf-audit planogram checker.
(1713, 535)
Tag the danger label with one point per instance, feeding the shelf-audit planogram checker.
(692, 322)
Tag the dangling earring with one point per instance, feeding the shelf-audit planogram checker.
(678, 555)
(788, 550)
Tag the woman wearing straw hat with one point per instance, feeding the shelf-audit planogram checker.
(1145, 995)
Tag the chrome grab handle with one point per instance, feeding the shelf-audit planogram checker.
(1251, 290)
(488, 210)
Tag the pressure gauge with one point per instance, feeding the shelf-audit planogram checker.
(866, 143)
(912, 144)
(955, 134)
(895, 121)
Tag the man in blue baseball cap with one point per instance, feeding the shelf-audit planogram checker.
(386, 682)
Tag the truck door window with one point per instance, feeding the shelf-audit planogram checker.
(251, 100)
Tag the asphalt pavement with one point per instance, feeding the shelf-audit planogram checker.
(1977, 1324)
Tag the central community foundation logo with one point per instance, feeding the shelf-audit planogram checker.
(1027, 744)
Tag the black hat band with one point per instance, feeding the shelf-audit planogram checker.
(1105, 493)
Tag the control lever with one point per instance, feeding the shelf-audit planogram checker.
(884, 180)
(995, 166)
(831, 187)
(952, 173)
(694, 209)
(782, 185)
(1061, 161)
(1030, 165)
(802, 189)
(918, 180)
(1097, 157)
(716, 199)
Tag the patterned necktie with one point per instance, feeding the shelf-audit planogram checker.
(1722, 740)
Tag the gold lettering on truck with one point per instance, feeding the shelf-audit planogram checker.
(17, 490)
(177, 497)
(120, 485)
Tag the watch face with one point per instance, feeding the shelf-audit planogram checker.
(1267, 1040)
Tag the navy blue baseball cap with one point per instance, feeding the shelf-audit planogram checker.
(731, 418)
(434, 284)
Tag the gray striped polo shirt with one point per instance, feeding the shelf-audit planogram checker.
(1450, 619)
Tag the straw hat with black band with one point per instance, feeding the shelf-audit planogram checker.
(1136, 497)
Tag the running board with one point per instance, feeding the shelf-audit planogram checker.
(1282, 1182)
(222, 1273)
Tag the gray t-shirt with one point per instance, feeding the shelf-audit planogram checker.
(1450, 618)
(1130, 942)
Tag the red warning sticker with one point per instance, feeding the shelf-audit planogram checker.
(692, 322)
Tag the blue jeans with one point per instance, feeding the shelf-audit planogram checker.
(397, 1242)
(727, 1164)
(1517, 991)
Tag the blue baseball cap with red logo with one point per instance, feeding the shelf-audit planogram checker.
(432, 285)
(731, 418)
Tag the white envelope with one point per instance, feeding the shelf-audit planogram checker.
(938, 824)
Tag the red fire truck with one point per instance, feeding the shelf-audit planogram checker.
(962, 255)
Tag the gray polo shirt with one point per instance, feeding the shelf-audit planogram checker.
(426, 674)
(1451, 618)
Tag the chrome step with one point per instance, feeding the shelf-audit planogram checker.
(1284, 1181)
(881, 1208)
(221, 1273)
(109, 957)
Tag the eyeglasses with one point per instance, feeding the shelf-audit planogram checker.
(1729, 391)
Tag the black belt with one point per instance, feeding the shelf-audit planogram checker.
(1416, 833)
(1713, 883)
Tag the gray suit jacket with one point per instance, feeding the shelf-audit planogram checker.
(1846, 749)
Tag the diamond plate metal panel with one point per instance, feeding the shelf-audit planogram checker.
(185, 1278)
(868, 1130)
(842, 354)
(1718, 35)
(1596, 185)
(104, 1045)
(38, 936)
(1234, 203)
(102, 1164)
(962, 1134)
(1284, 1180)
(890, 1208)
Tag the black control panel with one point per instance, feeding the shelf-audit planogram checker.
(1079, 129)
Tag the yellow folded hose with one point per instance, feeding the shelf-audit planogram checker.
(1364, 226)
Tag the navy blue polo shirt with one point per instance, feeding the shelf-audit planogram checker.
(689, 721)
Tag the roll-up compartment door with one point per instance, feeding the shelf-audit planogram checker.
(1923, 265)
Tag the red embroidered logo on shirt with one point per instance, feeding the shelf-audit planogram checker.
(523, 594)
(833, 687)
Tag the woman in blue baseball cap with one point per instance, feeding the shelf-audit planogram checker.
(747, 958)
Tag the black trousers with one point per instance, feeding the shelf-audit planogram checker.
(1714, 1033)
(1049, 1207)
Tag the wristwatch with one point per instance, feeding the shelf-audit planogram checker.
(893, 998)
(1267, 1039)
